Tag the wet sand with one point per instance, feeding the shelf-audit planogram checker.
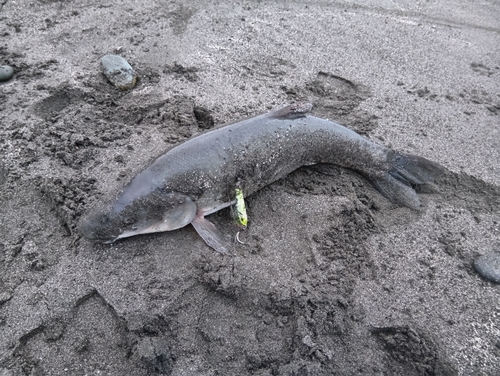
(333, 278)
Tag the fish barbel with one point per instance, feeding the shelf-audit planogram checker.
(203, 174)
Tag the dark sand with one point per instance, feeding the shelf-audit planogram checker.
(333, 280)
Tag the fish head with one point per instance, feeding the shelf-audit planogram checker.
(155, 212)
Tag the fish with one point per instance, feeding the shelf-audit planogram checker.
(204, 174)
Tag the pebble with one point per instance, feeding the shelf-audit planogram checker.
(488, 266)
(6, 73)
(119, 72)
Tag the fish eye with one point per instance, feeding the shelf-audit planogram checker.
(105, 219)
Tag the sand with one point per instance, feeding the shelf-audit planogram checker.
(333, 278)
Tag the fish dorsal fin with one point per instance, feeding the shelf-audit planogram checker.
(292, 111)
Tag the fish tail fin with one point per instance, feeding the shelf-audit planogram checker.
(406, 172)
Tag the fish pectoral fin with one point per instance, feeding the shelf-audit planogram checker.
(210, 234)
(292, 111)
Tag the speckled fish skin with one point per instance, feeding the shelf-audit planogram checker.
(248, 155)
(252, 153)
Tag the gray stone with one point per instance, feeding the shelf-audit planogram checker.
(6, 73)
(119, 72)
(488, 266)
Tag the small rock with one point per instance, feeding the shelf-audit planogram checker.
(6, 73)
(119, 72)
(488, 266)
(307, 340)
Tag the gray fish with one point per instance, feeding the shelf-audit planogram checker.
(201, 175)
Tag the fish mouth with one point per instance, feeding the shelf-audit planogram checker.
(100, 225)
(108, 241)
(90, 229)
(146, 228)
(103, 240)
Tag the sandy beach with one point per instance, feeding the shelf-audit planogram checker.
(333, 279)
